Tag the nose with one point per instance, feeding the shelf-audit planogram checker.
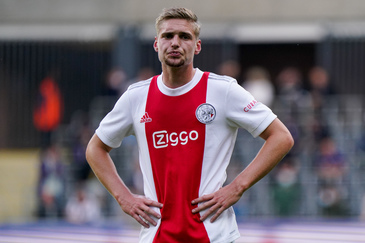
(175, 41)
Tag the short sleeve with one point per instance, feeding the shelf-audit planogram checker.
(242, 110)
(117, 124)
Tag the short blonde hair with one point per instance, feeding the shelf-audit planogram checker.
(179, 13)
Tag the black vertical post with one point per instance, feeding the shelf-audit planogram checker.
(126, 53)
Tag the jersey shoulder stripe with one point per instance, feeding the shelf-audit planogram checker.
(224, 78)
(140, 84)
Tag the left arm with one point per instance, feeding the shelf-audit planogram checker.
(278, 142)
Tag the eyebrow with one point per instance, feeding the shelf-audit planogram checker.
(178, 33)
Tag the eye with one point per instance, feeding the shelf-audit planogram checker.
(167, 35)
(185, 36)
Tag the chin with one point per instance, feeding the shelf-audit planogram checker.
(175, 64)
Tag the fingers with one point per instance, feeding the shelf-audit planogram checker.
(149, 211)
(216, 215)
(202, 199)
(213, 204)
(141, 221)
(143, 217)
(213, 208)
(152, 203)
(207, 202)
(141, 210)
(203, 206)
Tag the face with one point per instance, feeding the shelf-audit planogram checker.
(176, 43)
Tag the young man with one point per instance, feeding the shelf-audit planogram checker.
(185, 122)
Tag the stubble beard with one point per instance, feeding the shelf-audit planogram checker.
(173, 63)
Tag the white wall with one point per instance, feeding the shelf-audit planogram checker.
(66, 11)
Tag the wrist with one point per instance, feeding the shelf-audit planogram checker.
(122, 195)
(240, 186)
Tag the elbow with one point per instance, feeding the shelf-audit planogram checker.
(90, 149)
(88, 152)
(95, 148)
(289, 141)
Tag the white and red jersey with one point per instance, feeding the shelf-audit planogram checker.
(186, 137)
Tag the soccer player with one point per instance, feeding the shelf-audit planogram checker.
(185, 122)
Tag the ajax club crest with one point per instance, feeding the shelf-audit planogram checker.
(205, 113)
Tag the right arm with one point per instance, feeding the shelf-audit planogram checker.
(97, 155)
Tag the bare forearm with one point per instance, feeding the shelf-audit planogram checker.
(104, 169)
(269, 156)
(138, 207)
(278, 143)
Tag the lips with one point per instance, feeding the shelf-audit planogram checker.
(174, 54)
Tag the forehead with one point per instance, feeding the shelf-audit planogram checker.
(176, 26)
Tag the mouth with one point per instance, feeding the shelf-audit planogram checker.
(174, 54)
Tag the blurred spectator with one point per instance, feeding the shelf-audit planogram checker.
(257, 82)
(78, 133)
(292, 103)
(330, 162)
(292, 96)
(319, 86)
(318, 128)
(360, 149)
(143, 74)
(331, 170)
(230, 68)
(80, 166)
(82, 208)
(51, 187)
(116, 82)
(286, 187)
(289, 82)
(48, 112)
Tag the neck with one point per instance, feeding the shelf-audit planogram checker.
(176, 77)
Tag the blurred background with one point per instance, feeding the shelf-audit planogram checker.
(63, 64)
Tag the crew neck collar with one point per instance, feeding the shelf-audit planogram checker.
(182, 89)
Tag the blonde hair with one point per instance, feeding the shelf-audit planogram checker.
(178, 13)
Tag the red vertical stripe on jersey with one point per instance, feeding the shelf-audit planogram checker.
(176, 144)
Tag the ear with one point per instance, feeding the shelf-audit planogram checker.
(155, 45)
(198, 47)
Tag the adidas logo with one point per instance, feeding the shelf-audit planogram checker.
(145, 118)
